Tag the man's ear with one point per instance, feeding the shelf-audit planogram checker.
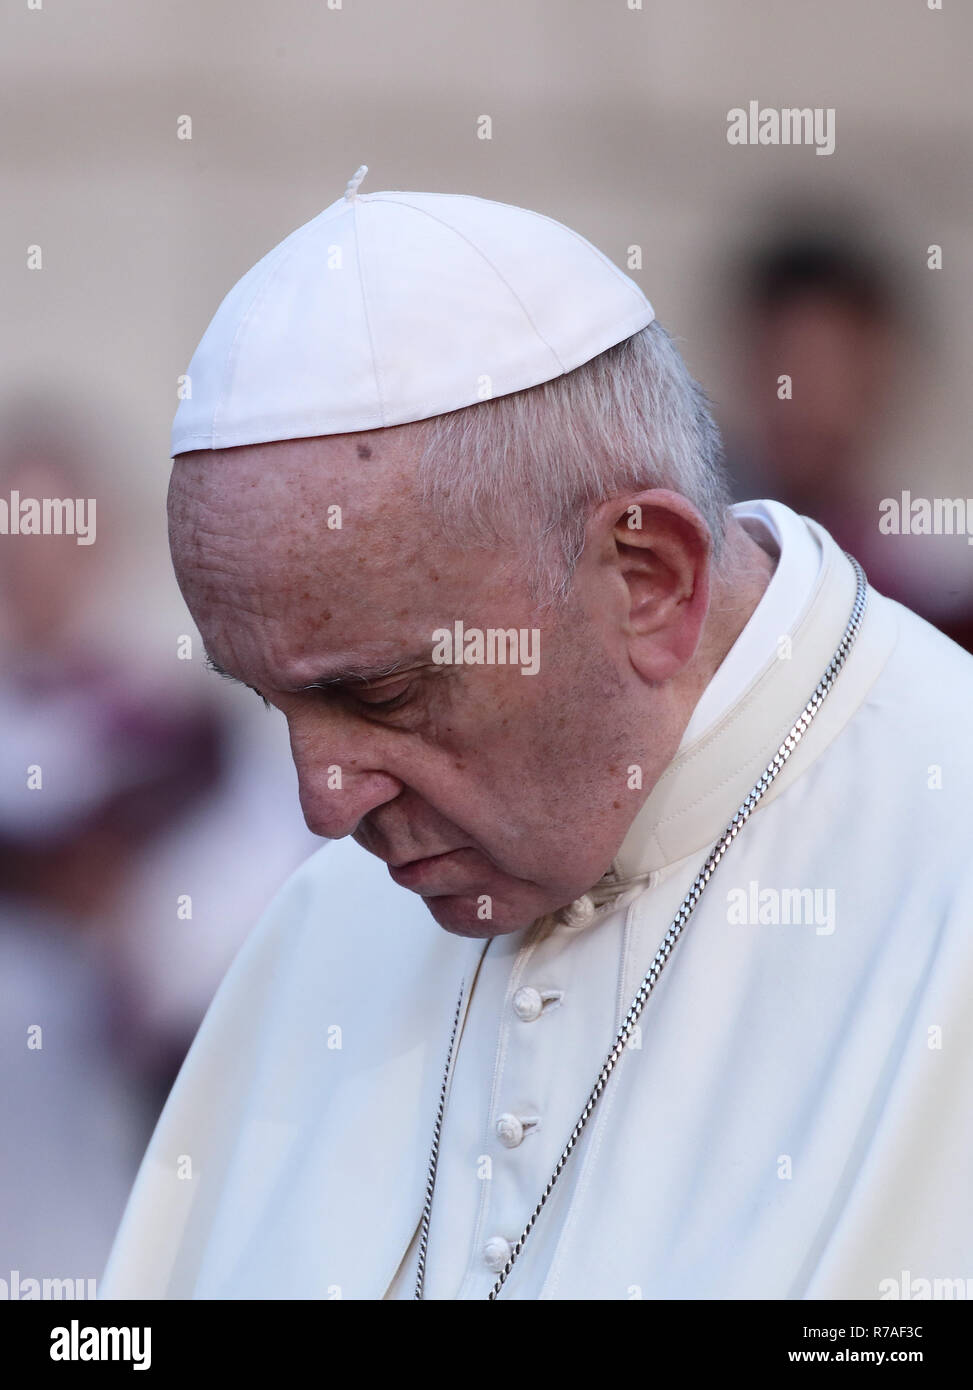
(659, 546)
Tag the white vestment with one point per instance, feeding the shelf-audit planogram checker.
(793, 1118)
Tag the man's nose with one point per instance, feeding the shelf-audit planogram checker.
(336, 785)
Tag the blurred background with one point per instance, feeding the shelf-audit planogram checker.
(168, 812)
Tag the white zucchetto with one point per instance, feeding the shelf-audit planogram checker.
(392, 307)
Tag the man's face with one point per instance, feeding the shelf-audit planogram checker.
(496, 795)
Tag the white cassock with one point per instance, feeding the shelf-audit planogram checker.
(794, 1118)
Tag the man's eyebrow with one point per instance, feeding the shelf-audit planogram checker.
(212, 665)
(358, 675)
(215, 666)
(350, 675)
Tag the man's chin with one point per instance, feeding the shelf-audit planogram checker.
(469, 896)
(465, 916)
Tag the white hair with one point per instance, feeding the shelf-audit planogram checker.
(529, 468)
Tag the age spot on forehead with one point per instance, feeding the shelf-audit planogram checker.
(364, 452)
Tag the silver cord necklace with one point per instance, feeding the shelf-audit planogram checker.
(661, 958)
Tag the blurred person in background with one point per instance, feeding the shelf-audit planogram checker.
(819, 301)
(106, 771)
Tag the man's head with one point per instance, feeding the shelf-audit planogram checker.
(584, 517)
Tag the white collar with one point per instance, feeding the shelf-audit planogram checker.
(783, 534)
(697, 794)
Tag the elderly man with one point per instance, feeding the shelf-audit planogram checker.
(447, 499)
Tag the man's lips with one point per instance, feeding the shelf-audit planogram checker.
(418, 872)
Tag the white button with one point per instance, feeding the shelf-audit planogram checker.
(509, 1130)
(528, 1004)
(497, 1252)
